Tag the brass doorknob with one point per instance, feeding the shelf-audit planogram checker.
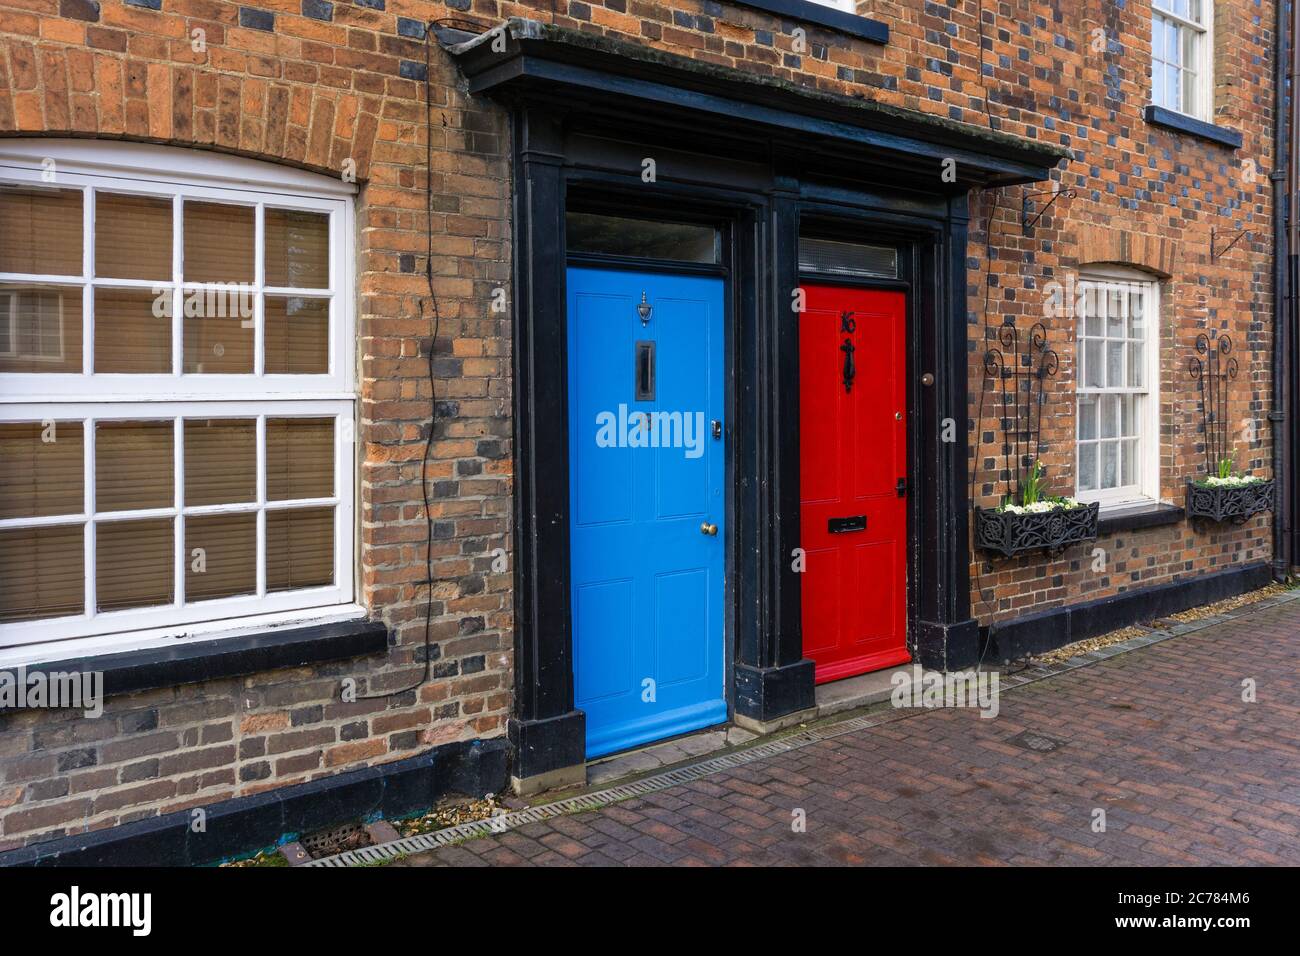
(710, 529)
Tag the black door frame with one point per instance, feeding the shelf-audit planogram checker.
(770, 678)
(590, 108)
(615, 193)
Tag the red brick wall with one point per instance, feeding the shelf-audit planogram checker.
(312, 94)
(315, 94)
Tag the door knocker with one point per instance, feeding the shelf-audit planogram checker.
(849, 325)
(644, 309)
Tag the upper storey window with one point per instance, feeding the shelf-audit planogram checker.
(1181, 56)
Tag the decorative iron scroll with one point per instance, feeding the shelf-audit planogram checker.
(1213, 373)
(1011, 534)
(1235, 504)
(1020, 384)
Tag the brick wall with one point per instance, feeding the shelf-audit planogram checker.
(343, 83)
(313, 84)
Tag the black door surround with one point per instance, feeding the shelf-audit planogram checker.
(770, 160)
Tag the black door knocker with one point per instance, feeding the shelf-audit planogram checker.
(848, 324)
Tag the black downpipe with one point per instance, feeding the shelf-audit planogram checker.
(1284, 286)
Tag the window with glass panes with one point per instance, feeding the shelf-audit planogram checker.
(1181, 59)
(1116, 389)
(175, 397)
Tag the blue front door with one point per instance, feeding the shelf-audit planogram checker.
(647, 506)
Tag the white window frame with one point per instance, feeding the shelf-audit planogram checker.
(91, 397)
(848, 6)
(1146, 490)
(1202, 69)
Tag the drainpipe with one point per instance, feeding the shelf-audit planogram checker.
(1286, 240)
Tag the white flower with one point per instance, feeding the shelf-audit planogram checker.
(1042, 507)
(1234, 481)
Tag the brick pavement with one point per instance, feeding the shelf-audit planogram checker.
(1159, 738)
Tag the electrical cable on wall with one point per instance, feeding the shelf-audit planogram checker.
(433, 397)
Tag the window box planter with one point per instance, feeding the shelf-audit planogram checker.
(1009, 534)
(1229, 503)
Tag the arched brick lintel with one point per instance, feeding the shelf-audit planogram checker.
(1119, 246)
(75, 92)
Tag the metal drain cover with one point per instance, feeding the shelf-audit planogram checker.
(1039, 743)
(322, 843)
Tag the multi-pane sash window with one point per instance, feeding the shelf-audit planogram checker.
(1118, 440)
(175, 391)
(1181, 56)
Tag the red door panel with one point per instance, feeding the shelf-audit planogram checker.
(852, 452)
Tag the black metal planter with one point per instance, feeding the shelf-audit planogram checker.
(1229, 504)
(1010, 534)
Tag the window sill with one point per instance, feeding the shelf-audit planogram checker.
(862, 27)
(1135, 517)
(203, 660)
(1159, 116)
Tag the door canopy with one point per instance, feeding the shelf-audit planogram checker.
(605, 81)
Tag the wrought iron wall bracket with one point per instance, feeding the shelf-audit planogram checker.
(1028, 218)
(1220, 253)
(1213, 368)
(1017, 377)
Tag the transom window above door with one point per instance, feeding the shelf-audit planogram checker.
(176, 391)
(1117, 388)
(589, 233)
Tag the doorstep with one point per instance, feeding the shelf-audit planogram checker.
(665, 754)
(834, 697)
(850, 693)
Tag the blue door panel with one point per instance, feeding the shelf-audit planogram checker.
(602, 476)
(647, 584)
(681, 636)
(602, 618)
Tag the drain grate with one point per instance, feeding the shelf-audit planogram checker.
(340, 839)
(1038, 743)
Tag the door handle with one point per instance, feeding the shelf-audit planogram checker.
(709, 529)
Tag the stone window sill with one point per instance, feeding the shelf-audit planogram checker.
(1135, 517)
(862, 27)
(1159, 116)
(195, 661)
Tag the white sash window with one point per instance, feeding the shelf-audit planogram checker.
(176, 391)
(1182, 56)
(1117, 421)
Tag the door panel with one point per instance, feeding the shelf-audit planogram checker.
(647, 583)
(852, 452)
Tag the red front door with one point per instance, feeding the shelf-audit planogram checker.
(852, 454)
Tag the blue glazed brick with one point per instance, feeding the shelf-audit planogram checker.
(147, 4)
(256, 19)
(411, 70)
(372, 4)
(410, 28)
(318, 9)
(87, 10)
